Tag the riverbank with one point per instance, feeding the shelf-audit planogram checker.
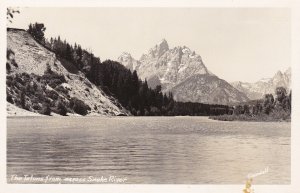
(14, 111)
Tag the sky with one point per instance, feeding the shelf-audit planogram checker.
(236, 44)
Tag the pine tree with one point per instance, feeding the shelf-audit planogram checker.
(37, 31)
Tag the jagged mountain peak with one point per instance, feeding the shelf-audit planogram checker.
(124, 57)
(159, 49)
(128, 61)
(163, 42)
(126, 54)
(169, 67)
(278, 74)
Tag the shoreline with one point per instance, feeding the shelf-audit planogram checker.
(203, 118)
(230, 118)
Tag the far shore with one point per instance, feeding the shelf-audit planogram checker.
(247, 118)
(204, 118)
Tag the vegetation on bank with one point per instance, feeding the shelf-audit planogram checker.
(30, 91)
(42, 94)
(116, 80)
(267, 109)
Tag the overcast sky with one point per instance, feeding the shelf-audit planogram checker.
(244, 44)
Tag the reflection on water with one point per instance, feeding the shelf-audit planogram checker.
(189, 150)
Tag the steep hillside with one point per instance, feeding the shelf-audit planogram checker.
(258, 89)
(38, 81)
(178, 70)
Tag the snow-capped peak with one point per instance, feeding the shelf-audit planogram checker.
(278, 74)
(174, 67)
(185, 50)
(124, 56)
(159, 49)
(128, 61)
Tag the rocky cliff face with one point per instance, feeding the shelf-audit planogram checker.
(264, 86)
(39, 78)
(181, 71)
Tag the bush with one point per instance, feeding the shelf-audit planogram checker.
(52, 78)
(22, 100)
(8, 68)
(79, 106)
(9, 98)
(10, 56)
(36, 107)
(46, 110)
(62, 110)
(62, 89)
(52, 94)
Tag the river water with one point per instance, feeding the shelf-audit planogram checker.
(146, 150)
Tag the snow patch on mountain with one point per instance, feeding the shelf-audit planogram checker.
(173, 67)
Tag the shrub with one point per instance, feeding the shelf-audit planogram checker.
(36, 107)
(52, 94)
(10, 56)
(62, 89)
(52, 78)
(46, 110)
(9, 98)
(8, 68)
(22, 100)
(62, 110)
(79, 106)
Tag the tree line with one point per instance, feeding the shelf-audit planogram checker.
(268, 105)
(117, 81)
(269, 108)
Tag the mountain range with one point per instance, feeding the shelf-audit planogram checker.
(40, 80)
(264, 86)
(181, 71)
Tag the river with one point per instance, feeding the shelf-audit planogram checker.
(147, 150)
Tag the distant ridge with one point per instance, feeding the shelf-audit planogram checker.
(264, 86)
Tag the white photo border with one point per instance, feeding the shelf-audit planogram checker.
(294, 187)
